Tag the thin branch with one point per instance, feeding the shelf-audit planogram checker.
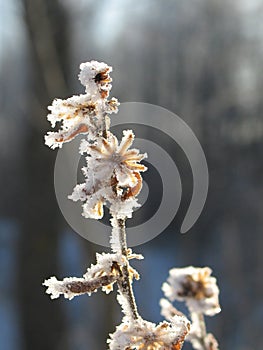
(198, 318)
(72, 286)
(124, 283)
(83, 287)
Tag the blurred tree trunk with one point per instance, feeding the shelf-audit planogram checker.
(42, 321)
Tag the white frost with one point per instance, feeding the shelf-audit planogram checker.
(196, 287)
(88, 73)
(112, 176)
(144, 335)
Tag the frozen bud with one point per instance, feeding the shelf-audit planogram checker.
(196, 287)
(95, 77)
(111, 106)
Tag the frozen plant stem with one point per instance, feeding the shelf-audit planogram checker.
(113, 177)
(104, 126)
(124, 283)
(202, 326)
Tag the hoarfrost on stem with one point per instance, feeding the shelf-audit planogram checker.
(113, 177)
(104, 274)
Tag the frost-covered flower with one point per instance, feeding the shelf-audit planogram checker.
(83, 114)
(113, 176)
(144, 335)
(196, 287)
(75, 113)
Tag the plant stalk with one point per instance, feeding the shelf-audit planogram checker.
(124, 283)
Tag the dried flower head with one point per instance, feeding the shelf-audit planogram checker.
(196, 287)
(83, 114)
(76, 114)
(113, 175)
(95, 77)
(143, 335)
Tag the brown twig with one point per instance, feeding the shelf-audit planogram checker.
(83, 287)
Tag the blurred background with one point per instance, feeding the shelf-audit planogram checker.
(201, 59)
